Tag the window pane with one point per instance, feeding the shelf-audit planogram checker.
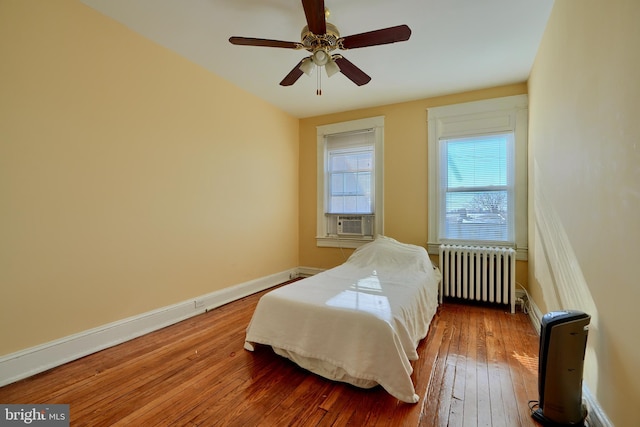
(477, 202)
(364, 182)
(337, 184)
(350, 204)
(478, 188)
(338, 163)
(364, 204)
(364, 161)
(350, 181)
(337, 204)
(477, 216)
(481, 161)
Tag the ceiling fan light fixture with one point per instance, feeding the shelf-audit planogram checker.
(307, 66)
(332, 68)
(321, 57)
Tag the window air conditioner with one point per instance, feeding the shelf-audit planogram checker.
(350, 225)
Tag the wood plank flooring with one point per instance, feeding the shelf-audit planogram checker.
(477, 367)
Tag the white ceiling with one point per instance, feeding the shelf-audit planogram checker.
(455, 45)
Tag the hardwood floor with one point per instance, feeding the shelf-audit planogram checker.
(477, 367)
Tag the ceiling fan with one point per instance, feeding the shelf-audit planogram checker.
(321, 38)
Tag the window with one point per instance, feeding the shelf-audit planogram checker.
(477, 171)
(476, 179)
(349, 182)
(349, 173)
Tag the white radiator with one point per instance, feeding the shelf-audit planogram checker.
(479, 273)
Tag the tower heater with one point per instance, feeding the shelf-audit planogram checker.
(563, 341)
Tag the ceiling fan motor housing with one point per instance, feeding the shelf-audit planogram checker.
(327, 42)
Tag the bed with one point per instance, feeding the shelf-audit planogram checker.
(360, 322)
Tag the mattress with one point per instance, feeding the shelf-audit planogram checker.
(360, 322)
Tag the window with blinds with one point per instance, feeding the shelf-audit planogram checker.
(477, 188)
(350, 182)
(350, 173)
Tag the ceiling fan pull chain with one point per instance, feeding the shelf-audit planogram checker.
(319, 87)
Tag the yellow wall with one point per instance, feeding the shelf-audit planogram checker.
(405, 172)
(584, 156)
(130, 178)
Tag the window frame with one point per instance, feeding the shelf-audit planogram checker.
(323, 239)
(479, 118)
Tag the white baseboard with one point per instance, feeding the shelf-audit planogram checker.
(535, 315)
(596, 417)
(28, 362)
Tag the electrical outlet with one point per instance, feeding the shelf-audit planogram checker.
(198, 303)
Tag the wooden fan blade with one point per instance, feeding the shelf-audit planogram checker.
(399, 33)
(293, 75)
(250, 41)
(314, 11)
(352, 72)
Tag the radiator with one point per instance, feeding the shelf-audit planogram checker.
(479, 273)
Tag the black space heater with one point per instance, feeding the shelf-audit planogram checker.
(563, 341)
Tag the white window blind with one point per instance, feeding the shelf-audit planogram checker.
(350, 173)
(477, 188)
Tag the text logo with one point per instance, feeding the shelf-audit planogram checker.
(34, 415)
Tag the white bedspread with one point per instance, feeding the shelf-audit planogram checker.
(360, 322)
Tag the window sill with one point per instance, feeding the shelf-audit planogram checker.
(342, 242)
